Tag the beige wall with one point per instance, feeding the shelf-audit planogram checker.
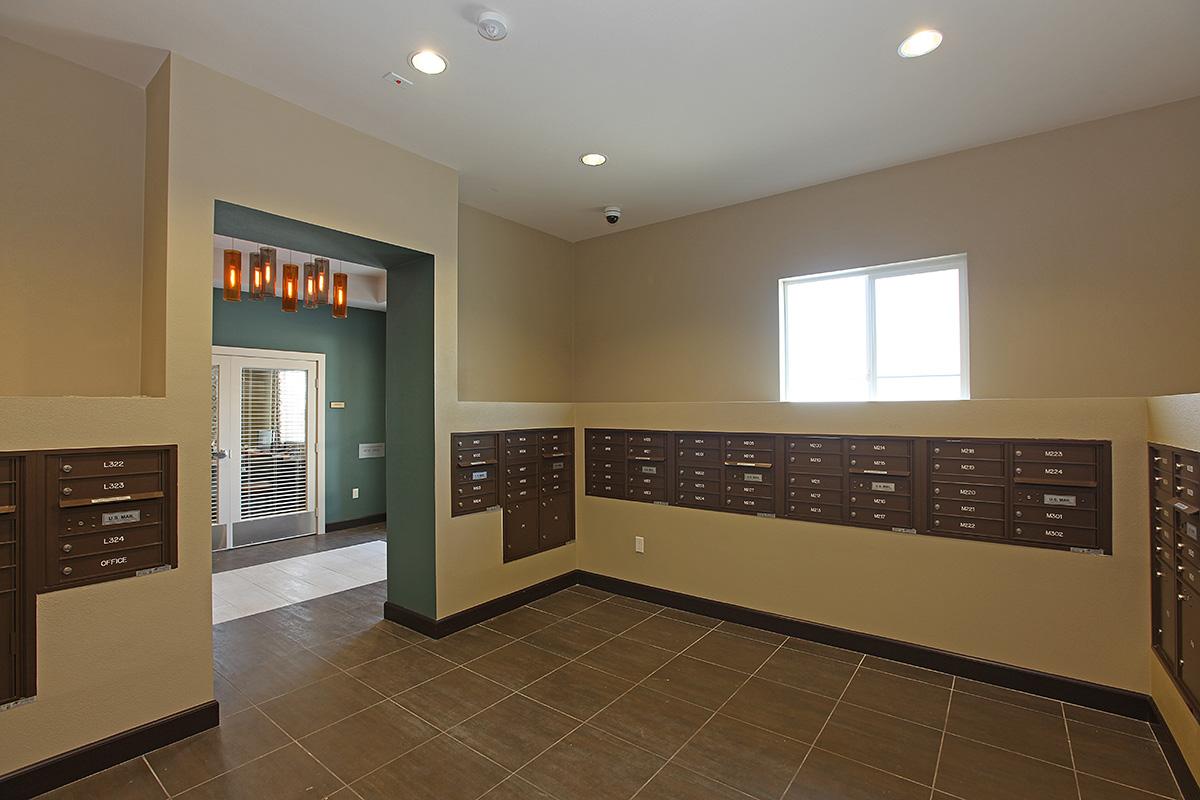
(71, 227)
(1175, 420)
(1083, 616)
(515, 320)
(1082, 243)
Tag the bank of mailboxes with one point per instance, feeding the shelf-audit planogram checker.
(1045, 493)
(528, 474)
(1175, 564)
(70, 518)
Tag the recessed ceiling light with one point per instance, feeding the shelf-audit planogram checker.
(593, 159)
(920, 43)
(428, 61)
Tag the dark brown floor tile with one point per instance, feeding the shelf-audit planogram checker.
(311, 626)
(577, 690)
(323, 703)
(240, 738)
(467, 645)
(275, 675)
(516, 665)
(1011, 696)
(626, 658)
(806, 671)
(757, 634)
(825, 775)
(131, 780)
(516, 789)
(400, 631)
(564, 603)
(236, 558)
(669, 634)
(728, 650)
(826, 650)
(901, 697)
(568, 639)
(755, 761)
(980, 772)
(514, 731)
(241, 643)
(782, 709)
(358, 648)
(1031, 733)
(591, 765)
(367, 740)
(1133, 727)
(676, 783)
(451, 697)
(887, 743)
(401, 670)
(689, 616)
(441, 769)
(521, 622)
(286, 774)
(654, 721)
(633, 602)
(697, 682)
(610, 617)
(590, 591)
(908, 671)
(227, 695)
(1091, 788)
(1120, 758)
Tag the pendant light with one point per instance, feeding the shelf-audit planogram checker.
(310, 284)
(291, 287)
(322, 265)
(232, 282)
(256, 276)
(341, 295)
(270, 269)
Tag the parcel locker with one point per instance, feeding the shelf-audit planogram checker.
(520, 529)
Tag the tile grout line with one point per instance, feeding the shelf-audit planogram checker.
(941, 744)
(157, 779)
(825, 724)
(1071, 751)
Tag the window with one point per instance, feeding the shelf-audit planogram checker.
(894, 332)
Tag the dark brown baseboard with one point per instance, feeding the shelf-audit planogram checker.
(98, 756)
(346, 524)
(1179, 766)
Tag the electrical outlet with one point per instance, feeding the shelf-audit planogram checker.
(354, 493)
(639, 544)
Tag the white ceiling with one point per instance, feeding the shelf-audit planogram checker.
(697, 104)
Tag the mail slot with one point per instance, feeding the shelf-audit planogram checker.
(889, 465)
(1073, 453)
(597, 476)
(977, 469)
(1053, 534)
(605, 489)
(8, 498)
(555, 471)
(105, 541)
(1188, 490)
(88, 491)
(606, 437)
(8, 582)
(757, 505)
(477, 456)
(749, 442)
(815, 481)
(832, 497)
(969, 491)
(638, 479)
(749, 475)
(814, 444)
(523, 493)
(701, 440)
(698, 455)
(1187, 465)
(521, 481)
(107, 564)
(477, 502)
(647, 438)
(1166, 554)
(872, 516)
(748, 490)
(649, 495)
(961, 448)
(8, 528)
(1188, 551)
(1036, 471)
(868, 500)
(973, 526)
(521, 452)
(472, 489)
(703, 473)
(815, 510)
(1074, 517)
(815, 462)
(880, 447)
(513, 470)
(888, 485)
(750, 457)
(706, 487)
(968, 508)
(699, 500)
(648, 453)
(1189, 573)
(556, 450)
(113, 463)
(474, 441)
(520, 437)
(607, 466)
(558, 436)
(121, 515)
(475, 474)
(1056, 496)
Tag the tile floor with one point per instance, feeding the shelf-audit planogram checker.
(238, 557)
(251, 590)
(588, 696)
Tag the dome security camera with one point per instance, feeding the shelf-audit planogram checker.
(612, 214)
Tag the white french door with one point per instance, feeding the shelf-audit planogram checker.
(267, 477)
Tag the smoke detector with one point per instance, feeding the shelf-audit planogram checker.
(492, 26)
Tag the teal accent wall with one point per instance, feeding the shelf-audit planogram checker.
(355, 372)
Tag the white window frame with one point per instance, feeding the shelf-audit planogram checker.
(939, 263)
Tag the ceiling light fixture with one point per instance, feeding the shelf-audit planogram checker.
(428, 61)
(920, 43)
(492, 26)
(593, 159)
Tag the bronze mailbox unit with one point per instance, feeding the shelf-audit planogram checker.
(1043, 493)
(71, 518)
(1175, 565)
(529, 474)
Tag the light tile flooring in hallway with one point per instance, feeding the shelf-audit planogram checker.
(588, 696)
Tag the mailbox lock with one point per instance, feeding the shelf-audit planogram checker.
(1019, 513)
(67, 467)
(1018, 453)
(66, 490)
(68, 547)
(69, 570)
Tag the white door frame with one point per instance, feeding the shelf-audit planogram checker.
(309, 358)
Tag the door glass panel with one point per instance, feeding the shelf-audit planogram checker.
(274, 442)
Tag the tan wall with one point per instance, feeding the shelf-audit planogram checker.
(1081, 243)
(515, 319)
(1077, 615)
(71, 227)
(1176, 421)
